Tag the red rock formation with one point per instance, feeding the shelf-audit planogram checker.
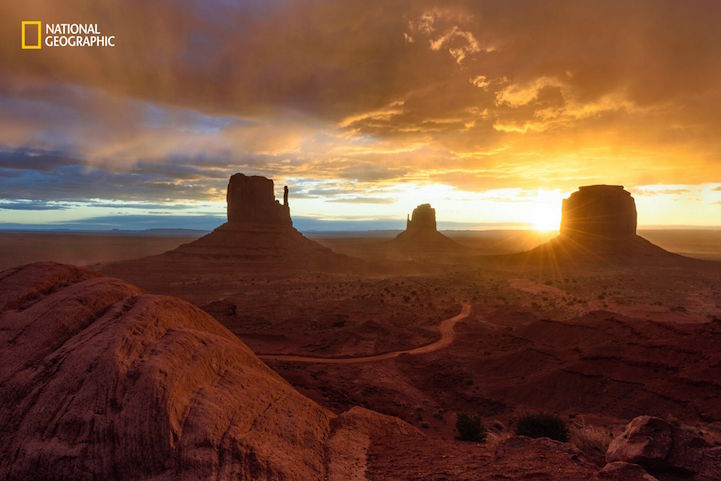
(620, 471)
(99, 380)
(259, 235)
(251, 199)
(422, 237)
(646, 441)
(598, 225)
(259, 231)
(422, 219)
(664, 449)
(600, 212)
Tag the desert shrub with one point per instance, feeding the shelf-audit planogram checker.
(542, 425)
(591, 441)
(497, 426)
(470, 428)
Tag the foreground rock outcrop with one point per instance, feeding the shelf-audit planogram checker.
(99, 380)
(599, 211)
(664, 449)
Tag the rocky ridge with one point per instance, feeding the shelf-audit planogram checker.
(99, 380)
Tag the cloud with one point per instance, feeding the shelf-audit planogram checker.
(31, 205)
(362, 200)
(360, 94)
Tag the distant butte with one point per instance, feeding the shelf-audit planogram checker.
(258, 237)
(598, 225)
(422, 236)
(423, 219)
(252, 199)
(599, 211)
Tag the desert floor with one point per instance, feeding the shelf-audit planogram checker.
(598, 345)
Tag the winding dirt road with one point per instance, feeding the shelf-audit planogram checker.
(447, 336)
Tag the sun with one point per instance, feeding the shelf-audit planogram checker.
(546, 211)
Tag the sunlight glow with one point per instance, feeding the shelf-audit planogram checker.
(547, 211)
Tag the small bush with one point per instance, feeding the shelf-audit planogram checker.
(542, 425)
(592, 441)
(497, 426)
(470, 428)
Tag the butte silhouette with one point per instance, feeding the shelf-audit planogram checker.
(422, 237)
(598, 225)
(258, 237)
(259, 231)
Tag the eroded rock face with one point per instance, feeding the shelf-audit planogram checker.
(646, 441)
(599, 212)
(422, 219)
(99, 380)
(660, 447)
(251, 199)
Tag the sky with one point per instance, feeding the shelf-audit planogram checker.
(492, 111)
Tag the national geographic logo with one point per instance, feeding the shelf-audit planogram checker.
(31, 37)
(62, 35)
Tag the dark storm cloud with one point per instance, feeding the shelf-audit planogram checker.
(34, 159)
(336, 59)
(70, 181)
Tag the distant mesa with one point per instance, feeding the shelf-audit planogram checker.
(252, 199)
(421, 235)
(599, 211)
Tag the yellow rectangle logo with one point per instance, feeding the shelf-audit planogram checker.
(39, 43)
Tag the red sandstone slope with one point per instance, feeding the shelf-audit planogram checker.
(101, 381)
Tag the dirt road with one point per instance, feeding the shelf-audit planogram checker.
(447, 336)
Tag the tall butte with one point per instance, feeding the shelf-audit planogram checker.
(598, 224)
(259, 231)
(422, 236)
(258, 237)
(251, 199)
(599, 212)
